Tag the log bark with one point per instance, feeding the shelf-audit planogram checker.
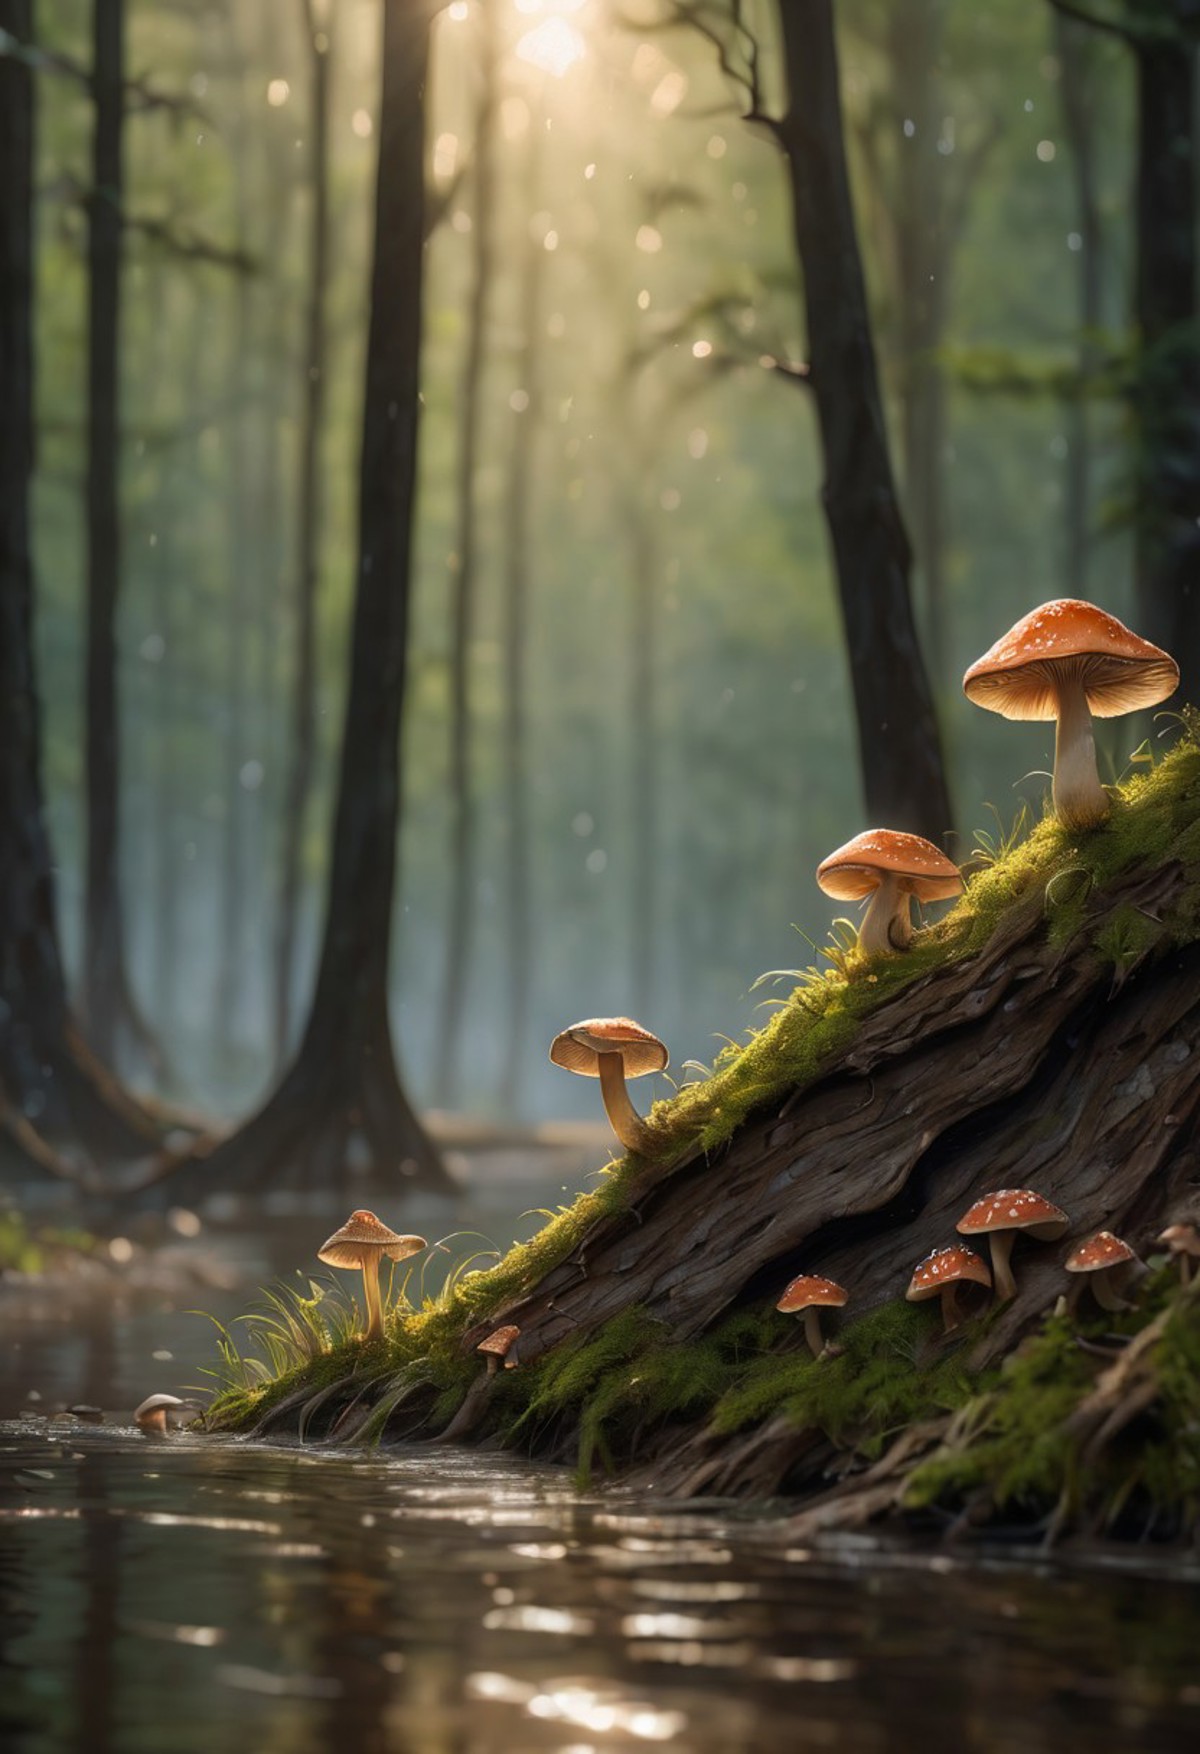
(1021, 1065)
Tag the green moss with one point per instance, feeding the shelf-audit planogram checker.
(1018, 1444)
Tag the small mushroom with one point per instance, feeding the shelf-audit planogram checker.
(1109, 1264)
(157, 1414)
(362, 1242)
(941, 1273)
(891, 868)
(613, 1049)
(1068, 660)
(1001, 1216)
(1182, 1241)
(499, 1345)
(810, 1293)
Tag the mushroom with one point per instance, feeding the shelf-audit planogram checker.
(362, 1242)
(941, 1273)
(613, 1049)
(1183, 1242)
(154, 1413)
(1110, 1264)
(498, 1345)
(811, 1293)
(1069, 660)
(1000, 1216)
(891, 868)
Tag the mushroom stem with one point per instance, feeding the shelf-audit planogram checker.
(374, 1301)
(493, 1363)
(812, 1330)
(1080, 801)
(951, 1313)
(625, 1120)
(1107, 1294)
(1001, 1242)
(887, 923)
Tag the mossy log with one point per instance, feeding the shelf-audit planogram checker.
(1046, 1034)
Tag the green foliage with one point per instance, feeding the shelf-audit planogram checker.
(35, 1248)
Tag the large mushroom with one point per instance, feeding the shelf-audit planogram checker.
(1066, 661)
(890, 867)
(810, 1293)
(362, 1242)
(1002, 1216)
(1109, 1263)
(612, 1049)
(941, 1273)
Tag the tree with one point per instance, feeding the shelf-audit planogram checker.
(342, 1087)
(53, 1092)
(466, 565)
(110, 1016)
(899, 743)
(1161, 36)
(302, 753)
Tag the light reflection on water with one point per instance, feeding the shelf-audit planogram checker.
(195, 1594)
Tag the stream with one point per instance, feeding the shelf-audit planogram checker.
(189, 1593)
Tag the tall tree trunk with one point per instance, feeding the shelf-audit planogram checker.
(899, 745)
(460, 918)
(109, 1013)
(518, 570)
(309, 507)
(1078, 90)
(342, 1089)
(1168, 389)
(915, 38)
(50, 1085)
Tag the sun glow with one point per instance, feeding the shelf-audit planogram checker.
(554, 46)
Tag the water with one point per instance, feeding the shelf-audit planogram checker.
(202, 1594)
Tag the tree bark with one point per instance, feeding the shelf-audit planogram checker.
(899, 743)
(111, 1018)
(342, 1090)
(309, 512)
(1167, 394)
(51, 1088)
(462, 851)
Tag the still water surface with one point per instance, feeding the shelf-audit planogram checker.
(200, 1594)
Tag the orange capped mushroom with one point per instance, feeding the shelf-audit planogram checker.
(612, 1049)
(1109, 1263)
(1068, 660)
(810, 1293)
(941, 1273)
(1001, 1216)
(498, 1347)
(362, 1242)
(891, 868)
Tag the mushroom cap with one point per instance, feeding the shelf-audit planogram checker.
(1014, 1209)
(1181, 1239)
(364, 1235)
(857, 868)
(809, 1289)
(498, 1341)
(1097, 1252)
(578, 1049)
(156, 1404)
(946, 1267)
(1120, 671)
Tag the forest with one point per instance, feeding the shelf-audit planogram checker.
(503, 505)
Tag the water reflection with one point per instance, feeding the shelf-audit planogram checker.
(191, 1595)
